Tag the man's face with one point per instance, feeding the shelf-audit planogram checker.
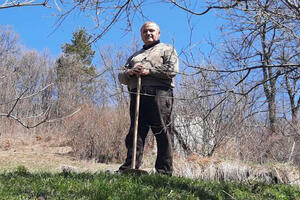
(150, 34)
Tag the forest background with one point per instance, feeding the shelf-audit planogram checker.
(236, 97)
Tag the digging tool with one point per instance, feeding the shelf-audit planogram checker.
(135, 130)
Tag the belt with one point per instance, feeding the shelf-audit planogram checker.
(151, 89)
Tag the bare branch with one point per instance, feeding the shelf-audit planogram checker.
(16, 102)
(45, 120)
(64, 117)
(201, 69)
(29, 96)
(23, 123)
(14, 3)
(113, 21)
(207, 9)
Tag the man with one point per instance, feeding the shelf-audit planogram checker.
(157, 64)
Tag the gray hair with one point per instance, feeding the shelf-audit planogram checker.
(150, 22)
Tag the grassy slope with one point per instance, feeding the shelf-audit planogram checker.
(41, 178)
(20, 184)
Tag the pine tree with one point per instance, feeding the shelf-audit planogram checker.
(75, 71)
(81, 48)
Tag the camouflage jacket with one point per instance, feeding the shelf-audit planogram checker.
(162, 61)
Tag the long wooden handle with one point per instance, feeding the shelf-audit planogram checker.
(136, 122)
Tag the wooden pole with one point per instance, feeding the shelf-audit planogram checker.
(136, 122)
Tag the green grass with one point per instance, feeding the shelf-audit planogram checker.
(20, 184)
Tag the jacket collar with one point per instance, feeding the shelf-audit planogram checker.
(145, 47)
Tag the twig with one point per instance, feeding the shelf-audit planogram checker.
(23, 123)
(26, 3)
(242, 69)
(62, 118)
(229, 194)
(292, 151)
(45, 120)
(278, 175)
(112, 21)
(26, 97)
(207, 9)
(16, 102)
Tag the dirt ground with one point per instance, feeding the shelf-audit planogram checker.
(43, 154)
(51, 154)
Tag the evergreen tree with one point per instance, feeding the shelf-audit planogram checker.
(74, 72)
(81, 47)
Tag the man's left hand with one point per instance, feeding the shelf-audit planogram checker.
(144, 72)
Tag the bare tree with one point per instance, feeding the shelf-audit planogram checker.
(23, 82)
(257, 45)
(266, 53)
(113, 58)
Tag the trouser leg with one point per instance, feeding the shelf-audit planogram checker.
(164, 160)
(140, 148)
(143, 129)
(161, 127)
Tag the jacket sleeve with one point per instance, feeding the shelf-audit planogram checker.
(123, 75)
(170, 66)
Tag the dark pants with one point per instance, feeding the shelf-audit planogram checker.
(156, 113)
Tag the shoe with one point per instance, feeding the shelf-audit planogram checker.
(109, 171)
(119, 171)
(160, 172)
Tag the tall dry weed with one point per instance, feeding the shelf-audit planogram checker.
(98, 133)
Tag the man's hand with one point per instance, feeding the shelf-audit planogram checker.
(144, 72)
(139, 70)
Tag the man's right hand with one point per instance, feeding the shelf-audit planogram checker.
(137, 70)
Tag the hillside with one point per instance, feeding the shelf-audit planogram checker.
(51, 154)
(43, 154)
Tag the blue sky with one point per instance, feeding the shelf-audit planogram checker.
(36, 25)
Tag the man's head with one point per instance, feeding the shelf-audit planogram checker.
(150, 33)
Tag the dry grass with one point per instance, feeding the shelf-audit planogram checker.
(52, 147)
(48, 153)
(42, 152)
(233, 170)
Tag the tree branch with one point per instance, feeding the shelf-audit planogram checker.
(16, 102)
(207, 9)
(26, 97)
(23, 123)
(242, 69)
(111, 22)
(13, 4)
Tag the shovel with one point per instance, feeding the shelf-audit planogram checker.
(133, 170)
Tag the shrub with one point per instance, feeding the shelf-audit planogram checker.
(98, 133)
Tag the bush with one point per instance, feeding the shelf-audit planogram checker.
(98, 133)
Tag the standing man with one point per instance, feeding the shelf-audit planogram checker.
(157, 64)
